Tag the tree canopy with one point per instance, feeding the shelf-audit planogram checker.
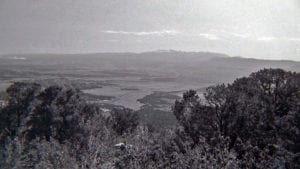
(254, 122)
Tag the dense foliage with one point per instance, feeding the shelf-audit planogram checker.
(252, 123)
(259, 115)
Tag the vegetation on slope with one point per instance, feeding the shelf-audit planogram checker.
(252, 123)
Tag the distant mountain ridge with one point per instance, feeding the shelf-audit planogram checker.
(146, 53)
(206, 67)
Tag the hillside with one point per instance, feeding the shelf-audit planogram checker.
(253, 122)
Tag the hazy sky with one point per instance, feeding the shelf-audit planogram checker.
(267, 29)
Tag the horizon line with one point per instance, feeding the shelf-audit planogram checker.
(141, 52)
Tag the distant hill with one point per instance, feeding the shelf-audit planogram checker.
(204, 67)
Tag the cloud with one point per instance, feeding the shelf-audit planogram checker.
(215, 36)
(244, 36)
(247, 36)
(293, 39)
(145, 33)
(266, 38)
(272, 38)
(209, 36)
(228, 34)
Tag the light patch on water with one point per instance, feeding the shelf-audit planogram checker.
(105, 110)
(128, 98)
(4, 85)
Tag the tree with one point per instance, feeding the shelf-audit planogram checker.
(261, 110)
(40, 120)
(197, 119)
(33, 114)
(20, 102)
(124, 120)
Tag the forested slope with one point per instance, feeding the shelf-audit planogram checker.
(252, 123)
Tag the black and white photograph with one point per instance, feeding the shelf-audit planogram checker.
(149, 84)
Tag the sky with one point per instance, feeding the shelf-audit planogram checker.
(265, 29)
